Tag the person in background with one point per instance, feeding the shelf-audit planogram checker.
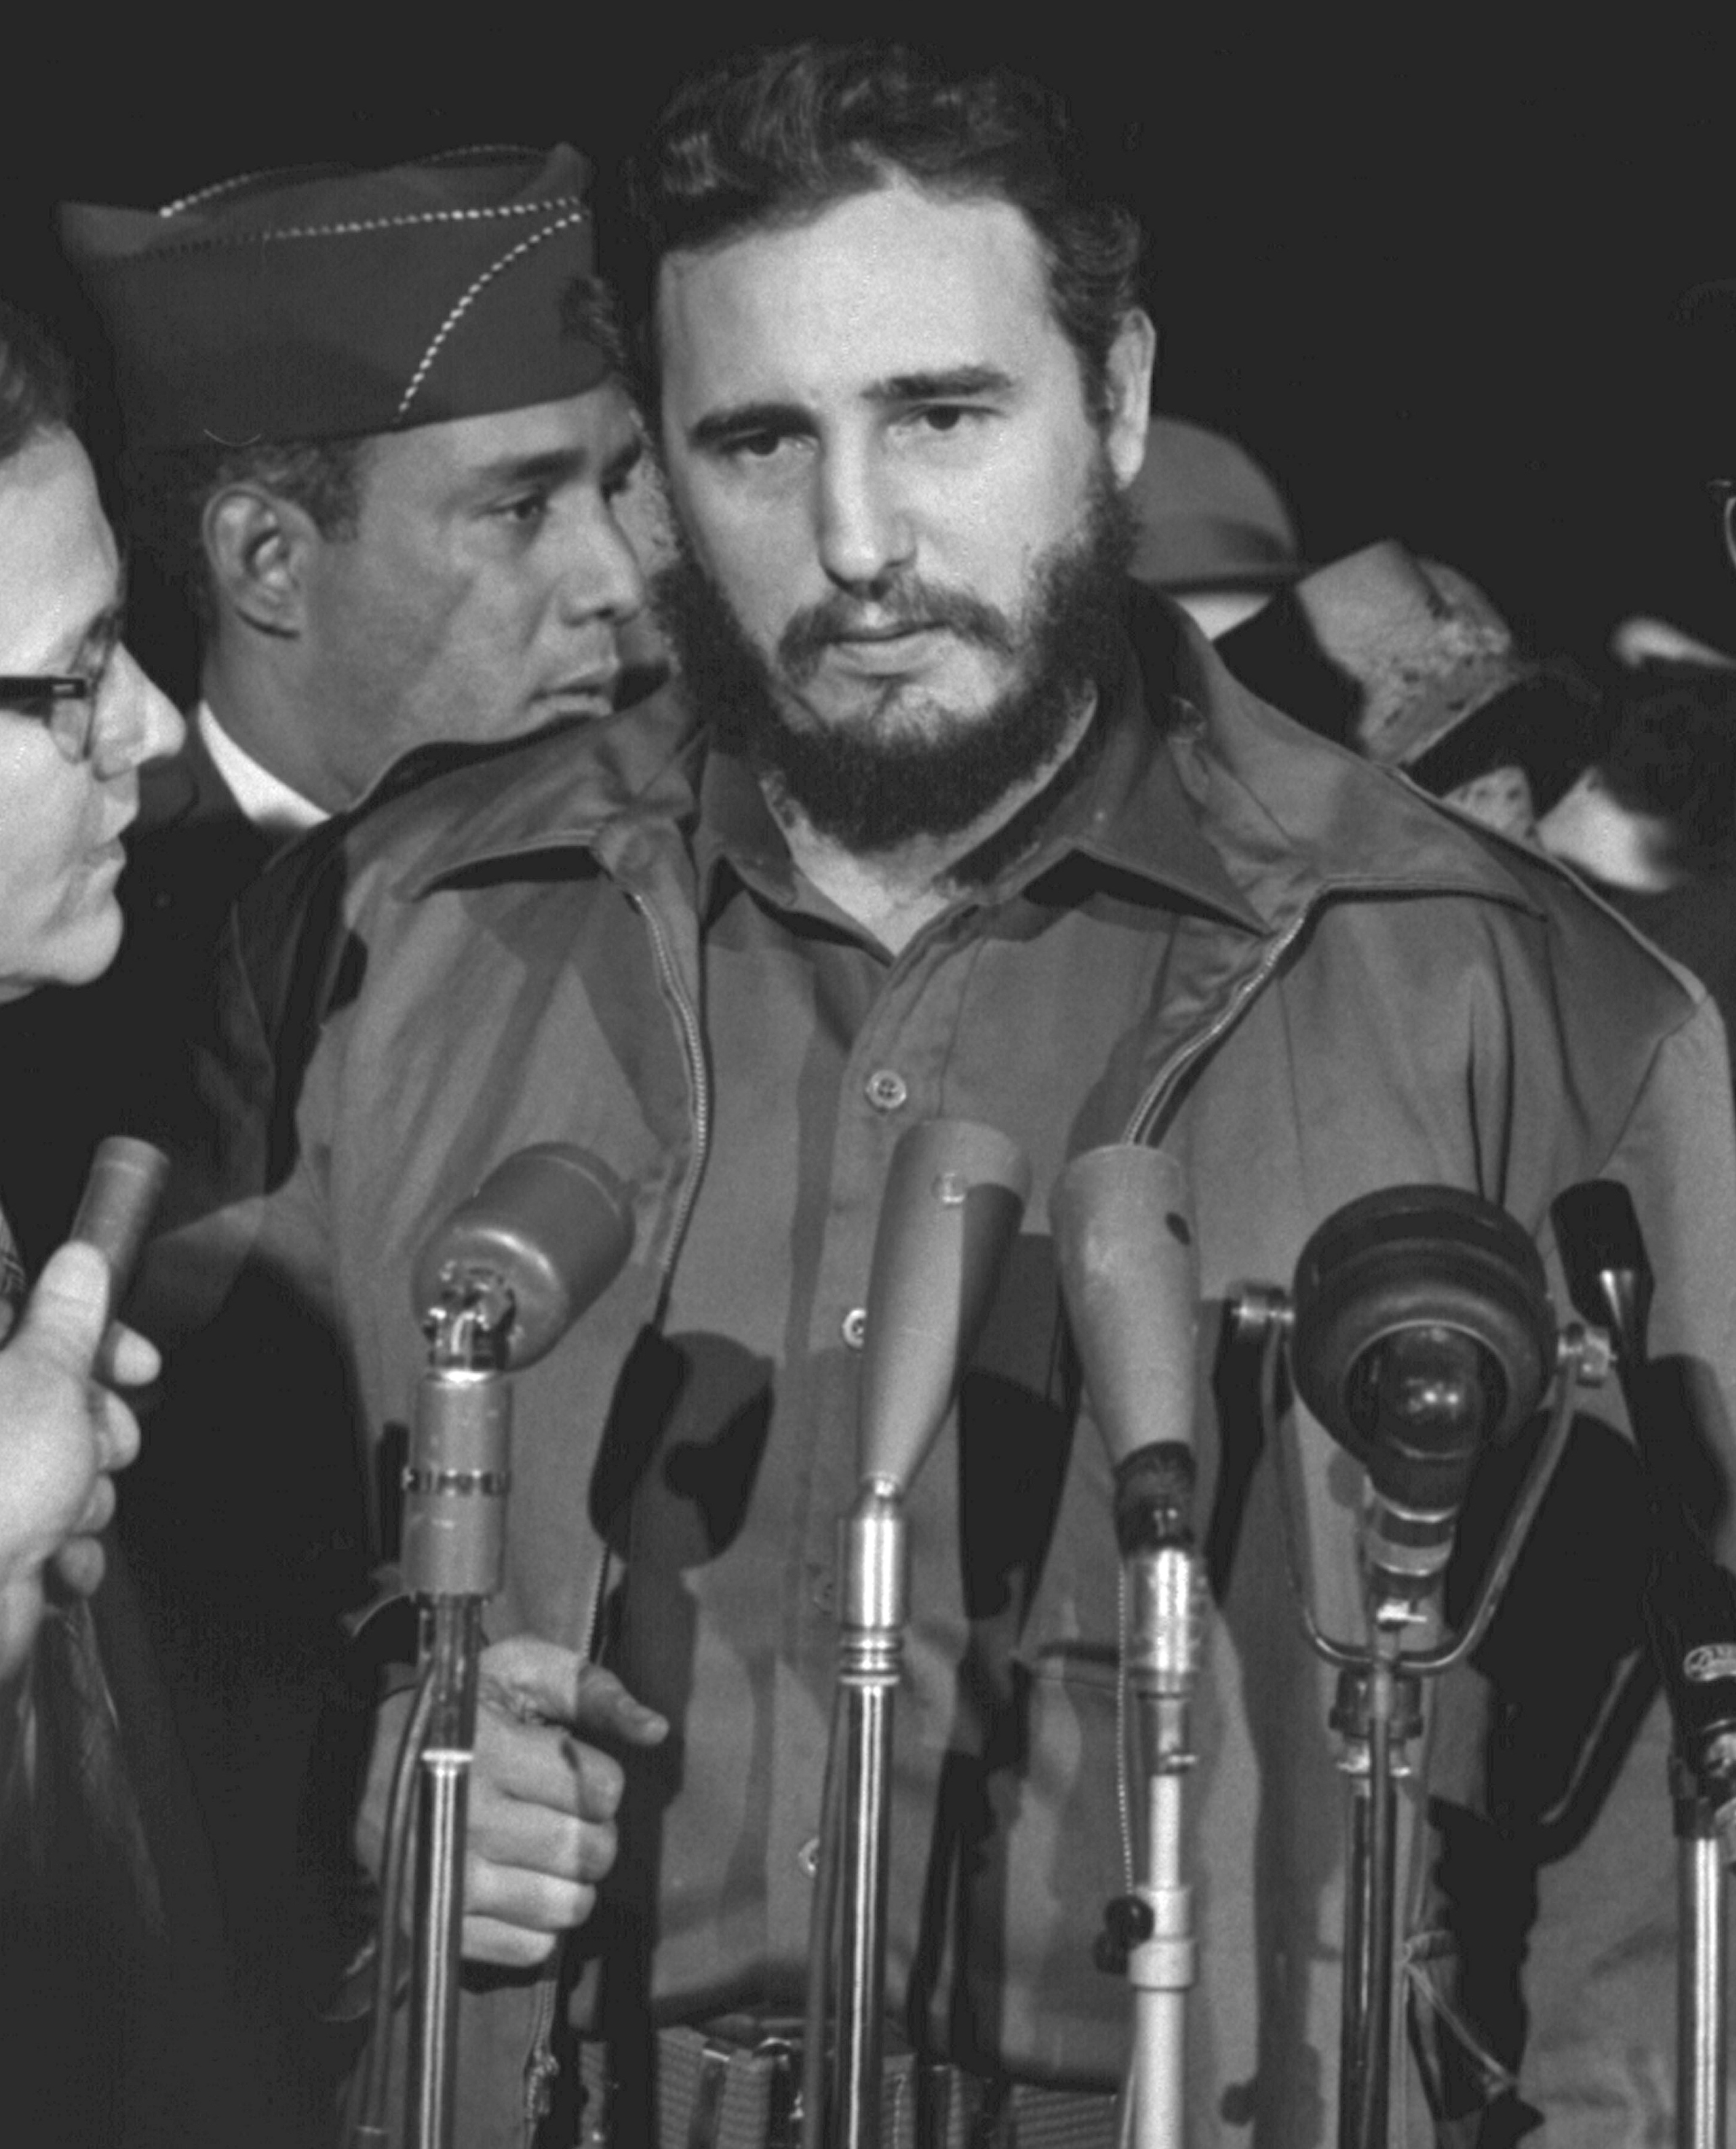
(1650, 820)
(1214, 531)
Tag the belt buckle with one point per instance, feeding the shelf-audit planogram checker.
(782, 2091)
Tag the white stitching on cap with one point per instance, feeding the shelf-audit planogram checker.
(468, 299)
(311, 172)
(350, 230)
(481, 150)
(228, 186)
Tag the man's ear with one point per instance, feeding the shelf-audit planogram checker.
(258, 548)
(1127, 384)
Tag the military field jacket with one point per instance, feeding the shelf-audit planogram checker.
(509, 954)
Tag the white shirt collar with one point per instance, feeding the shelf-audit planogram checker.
(266, 800)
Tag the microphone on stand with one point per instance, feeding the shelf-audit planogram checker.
(955, 1194)
(1124, 1240)
(1130, 1275)
(549, 1229)
(1609, 1276)
(495, 1289)
(1690, 1615)
(1423, 1335)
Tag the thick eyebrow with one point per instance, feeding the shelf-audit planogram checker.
(737, 420)
(954, 384)
(557, 467)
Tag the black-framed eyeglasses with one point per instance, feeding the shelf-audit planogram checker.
(1723, 491)
(65, 702)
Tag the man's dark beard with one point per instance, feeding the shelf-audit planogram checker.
(871, 793)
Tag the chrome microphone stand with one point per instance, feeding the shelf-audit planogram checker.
(1149, 1930)
(454, 1539)
(496, 1288)
(1691, 1621)
(1125, 1242)
(1448, 1282)
(955, 1194)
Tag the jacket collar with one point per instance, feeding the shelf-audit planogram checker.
(600, 787)
(1285, 817)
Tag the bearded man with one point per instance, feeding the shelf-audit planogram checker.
(962, 829)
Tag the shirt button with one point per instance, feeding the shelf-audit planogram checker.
(808, 1857)
(887, 1092)
(854, 1327)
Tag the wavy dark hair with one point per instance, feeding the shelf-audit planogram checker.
(36, 384)
(774, 139)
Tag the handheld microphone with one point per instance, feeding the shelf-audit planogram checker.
(1423, 1332)
(1124, 1238)
(115, 1211)
(955, 1194)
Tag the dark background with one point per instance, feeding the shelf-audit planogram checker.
(1426, 271)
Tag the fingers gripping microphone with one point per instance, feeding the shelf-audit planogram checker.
(1423, 1332)
(496, 1287)
(1130, 1275)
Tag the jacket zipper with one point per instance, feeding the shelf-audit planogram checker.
(540, 2065)
(688, 1022)
(1145, 1111)
(688, 1017)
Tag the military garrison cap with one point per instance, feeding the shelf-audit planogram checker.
(322, 304)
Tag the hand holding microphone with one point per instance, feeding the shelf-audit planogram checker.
(63, 1429)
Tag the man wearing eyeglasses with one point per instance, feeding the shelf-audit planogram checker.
(107, 1941)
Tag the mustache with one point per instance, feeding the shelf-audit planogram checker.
(810, 633)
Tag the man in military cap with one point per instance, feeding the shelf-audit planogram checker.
(376, 413)
(373, 421)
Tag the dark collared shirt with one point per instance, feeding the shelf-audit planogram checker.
(1023, 1006)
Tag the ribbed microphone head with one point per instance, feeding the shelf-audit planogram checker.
(955, 1194)
(1124, 1237)
(552, 1224)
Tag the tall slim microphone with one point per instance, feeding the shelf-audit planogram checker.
(1130, 1277)
(955, 1194)
(1124, 1240)
(1608, 1273)
(1423, 1334)
(1690, 1601)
